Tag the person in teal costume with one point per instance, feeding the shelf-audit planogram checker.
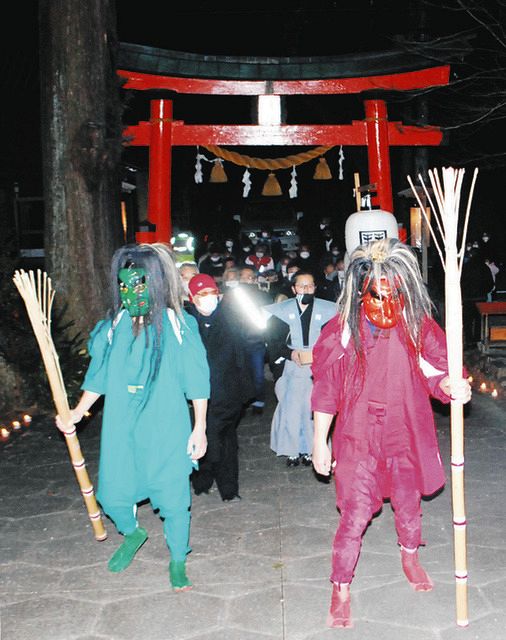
(148, 360)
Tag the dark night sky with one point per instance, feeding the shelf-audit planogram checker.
(306, 28)
(300, 28)
(317, 27)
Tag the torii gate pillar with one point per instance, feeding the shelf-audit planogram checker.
(378, 153)
(161, 133)
(160, 169)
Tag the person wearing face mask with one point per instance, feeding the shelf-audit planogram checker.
(230, 279)
(340, 271)
(326, 238)
(293, 327)
(332, 255)
(148, 360)
(231, 386)
(376, 364)
(245, 249)
(306, 260)
(285, 290)
(186, 271)
(273, 243)
(260, 260)
(477, 285)
(283, 265)
(328, 282)
(230, 249)
(489, 248)
(214, 263)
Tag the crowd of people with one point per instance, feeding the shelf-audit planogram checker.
(274, 266)
(182, 354)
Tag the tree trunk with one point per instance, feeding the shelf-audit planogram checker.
(81, 148)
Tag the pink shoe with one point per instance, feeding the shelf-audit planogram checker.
(339, 615)
(415, 573)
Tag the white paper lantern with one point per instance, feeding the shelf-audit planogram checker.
(363, 227)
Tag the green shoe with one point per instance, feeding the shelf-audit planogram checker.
(124, 555)
(178, 578)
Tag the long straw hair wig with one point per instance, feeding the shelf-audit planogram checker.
(164, 287)
(397, 263)
(164, 282)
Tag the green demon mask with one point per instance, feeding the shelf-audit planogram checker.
(134, 291)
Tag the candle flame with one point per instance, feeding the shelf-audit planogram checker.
(494, 393)
(483, 386)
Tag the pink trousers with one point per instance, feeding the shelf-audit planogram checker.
(363, 497)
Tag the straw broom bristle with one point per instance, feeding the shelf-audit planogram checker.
(447, 194)
(38, 298)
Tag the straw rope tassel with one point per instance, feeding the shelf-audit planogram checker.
(447, 197)
(322, 170)
(38, 297)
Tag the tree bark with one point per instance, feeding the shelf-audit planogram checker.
(81, 148)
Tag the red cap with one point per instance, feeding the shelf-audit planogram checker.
(201, 281)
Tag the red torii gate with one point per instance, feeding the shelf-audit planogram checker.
(376, 132)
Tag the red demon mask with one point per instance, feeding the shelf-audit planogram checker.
(381, 308)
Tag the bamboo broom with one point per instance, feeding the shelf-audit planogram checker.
(447, 197)
(38, 296)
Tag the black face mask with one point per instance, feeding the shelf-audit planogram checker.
(307, 298)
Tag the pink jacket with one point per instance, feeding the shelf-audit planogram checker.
(260, 264)
(395, 380)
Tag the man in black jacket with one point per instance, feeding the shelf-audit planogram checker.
(231, 386)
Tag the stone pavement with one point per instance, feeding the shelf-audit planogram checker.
(260, 566)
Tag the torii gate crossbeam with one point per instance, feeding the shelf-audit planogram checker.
(161, 133)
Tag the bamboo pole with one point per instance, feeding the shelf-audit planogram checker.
(358, 199)
(38, 297)
(447, 195)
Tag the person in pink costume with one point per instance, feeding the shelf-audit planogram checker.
(375, 365)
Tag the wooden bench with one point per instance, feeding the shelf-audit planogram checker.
(495, 334)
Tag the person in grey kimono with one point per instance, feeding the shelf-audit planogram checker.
(293, 327)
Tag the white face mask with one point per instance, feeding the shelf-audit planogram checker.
(207, 304)
(304, 254)
(283, 269)
(259, 254)
(232, 283)
(215, 258)
(229, 244)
